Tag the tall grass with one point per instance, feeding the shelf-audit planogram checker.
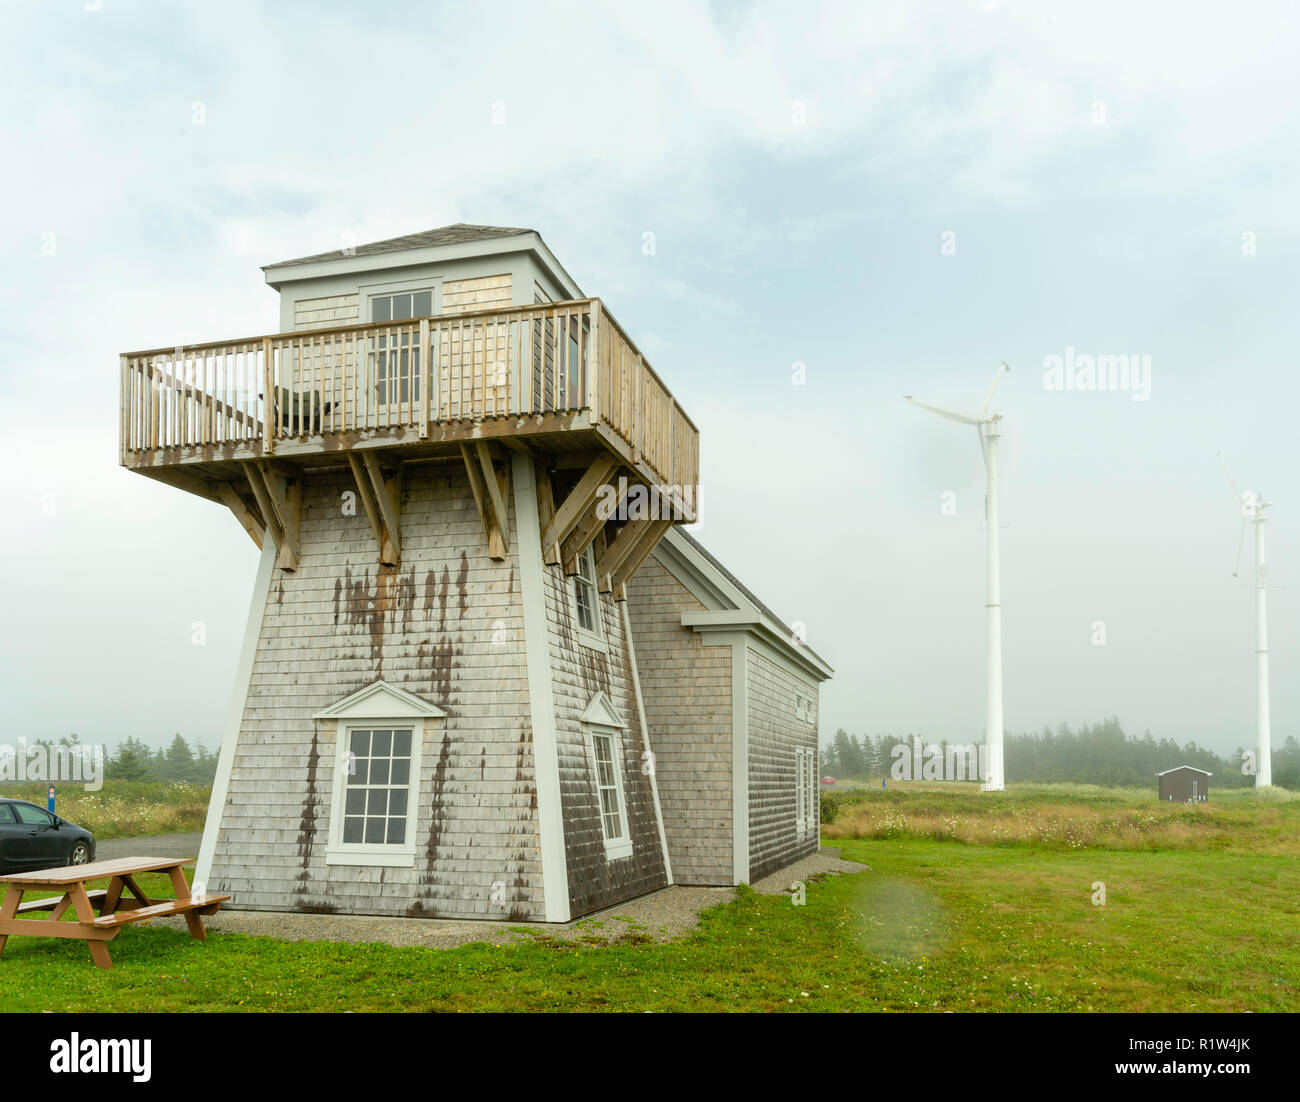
(124, 809)
(1069, 817)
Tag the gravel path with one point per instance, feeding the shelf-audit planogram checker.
(662, 916)
(155, 845)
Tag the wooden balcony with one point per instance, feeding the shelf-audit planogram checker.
(239, 421)
(563, 376)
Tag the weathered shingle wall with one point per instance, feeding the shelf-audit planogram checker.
(775, 730)
(482, 293)
(324, 313)
(579, 673)
(686, 689)
(445, 625)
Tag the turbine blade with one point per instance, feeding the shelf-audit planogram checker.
(1235, 492)
(959, 417)
(988, 398)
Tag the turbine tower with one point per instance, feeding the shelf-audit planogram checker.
(987, 427)
(1253, 507)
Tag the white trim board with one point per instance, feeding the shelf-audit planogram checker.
(541, 694)
(235, 717)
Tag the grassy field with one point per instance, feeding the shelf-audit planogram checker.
(1197, 916)
(124, 809)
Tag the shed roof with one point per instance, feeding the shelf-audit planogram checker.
(458, 234)
(1193, 768)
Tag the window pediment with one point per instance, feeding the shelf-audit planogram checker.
(380, 700)
(602, 713)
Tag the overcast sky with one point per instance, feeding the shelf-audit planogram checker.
(898, 198)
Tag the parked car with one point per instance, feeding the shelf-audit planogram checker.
(828, 780)
(32, 838)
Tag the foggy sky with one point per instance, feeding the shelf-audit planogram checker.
(896, 200)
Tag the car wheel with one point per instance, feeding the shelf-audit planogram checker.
(80, 854)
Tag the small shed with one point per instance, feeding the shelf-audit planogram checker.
(1184, 784)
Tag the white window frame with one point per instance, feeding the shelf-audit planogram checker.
(391, 854)
(379, 705)
(382, 290)
(594, 638)
(807, 811)
(620, 847)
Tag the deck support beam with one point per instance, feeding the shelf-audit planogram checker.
(602, 509)
(489, 488)
(250, 521)
(280, 500)
(381, 493)
(636, 555)
(576, 506)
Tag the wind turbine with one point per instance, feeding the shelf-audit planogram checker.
(987, 427)
(1252, 509)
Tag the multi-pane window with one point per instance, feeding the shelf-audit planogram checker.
(806, 788)
(395, 361)
(611, 817)
(585, 598)
(377, 785)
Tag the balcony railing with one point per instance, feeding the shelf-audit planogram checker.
(400, 379)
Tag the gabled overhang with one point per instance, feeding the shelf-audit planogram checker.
(730, 610)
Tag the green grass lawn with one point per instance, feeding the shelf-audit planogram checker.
(935, 925)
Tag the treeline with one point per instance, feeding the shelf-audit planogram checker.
(132, 760)
(1100, 753)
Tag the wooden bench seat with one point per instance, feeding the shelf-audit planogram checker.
(160, 910)
(48, 904)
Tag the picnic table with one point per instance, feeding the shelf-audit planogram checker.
(115, 908)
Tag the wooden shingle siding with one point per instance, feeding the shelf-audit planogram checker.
(686, 688)
(446, 626)
(484, 293)
(322, 313)
(579, 673)
(775, 730)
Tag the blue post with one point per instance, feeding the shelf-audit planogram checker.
(51, 800)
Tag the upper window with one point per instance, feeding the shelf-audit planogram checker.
(408, 304)
(395, 363)
(586, 601)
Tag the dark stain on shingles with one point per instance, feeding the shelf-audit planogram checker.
(437, 820)
(430, 591)
(405, 599)
(371, 608)
(461, 582)
(443, 586)
(441, 661)
(307, 824)
(519, 910)
(482, 764)
(338, 592)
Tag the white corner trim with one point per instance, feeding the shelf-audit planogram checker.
(235, 717)
(601, 711)
(645, 736)
(740, 761)
(541, 697)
